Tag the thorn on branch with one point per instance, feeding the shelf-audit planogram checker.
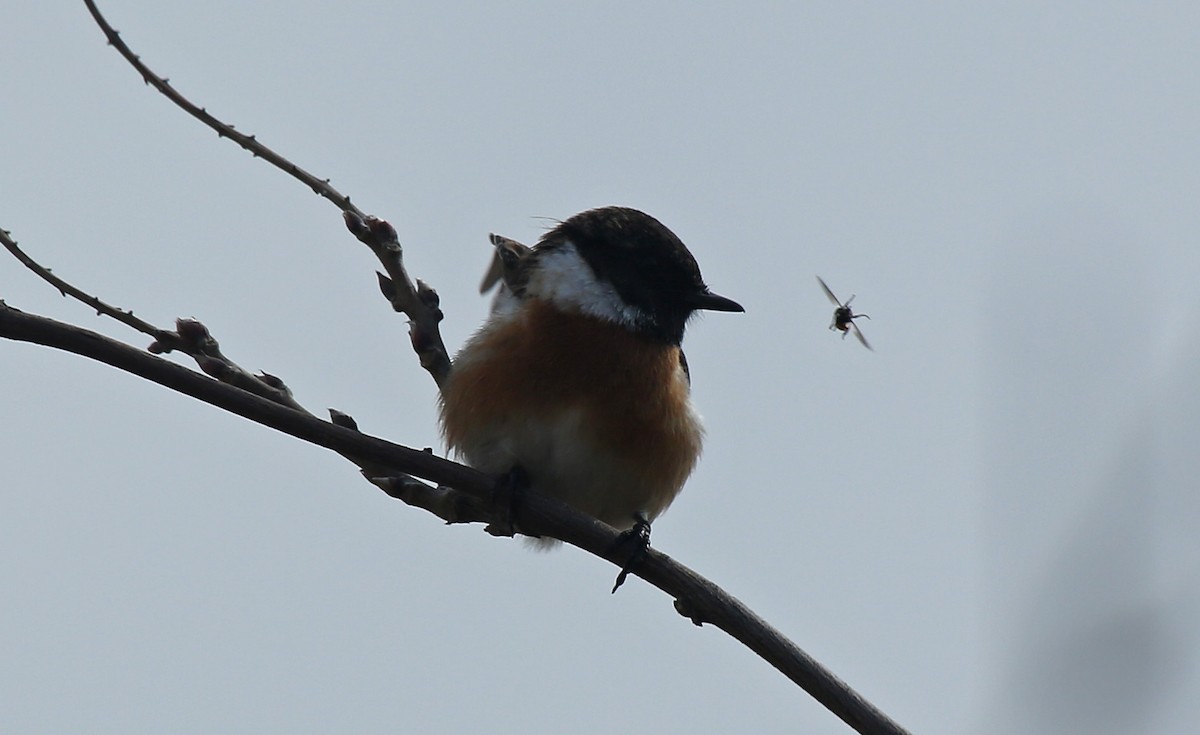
(274, 382)
(345, 420)
(386, 287)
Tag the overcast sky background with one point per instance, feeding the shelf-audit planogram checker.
(988, 525)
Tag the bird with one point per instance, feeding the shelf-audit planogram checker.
(576, 381)
(844, 316)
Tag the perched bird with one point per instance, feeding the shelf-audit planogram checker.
(577, 380)
(843, 316)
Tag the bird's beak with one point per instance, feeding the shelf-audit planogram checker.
(712, 302)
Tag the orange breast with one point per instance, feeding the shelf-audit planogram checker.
(628, 391)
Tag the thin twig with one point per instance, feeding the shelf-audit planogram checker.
(194, 339)
(189, 337)
(66, 289)
(321, 187)
(416, 300)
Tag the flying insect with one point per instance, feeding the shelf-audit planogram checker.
(844, 316)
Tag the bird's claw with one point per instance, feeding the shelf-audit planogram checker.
(639, 538)
(506, 499)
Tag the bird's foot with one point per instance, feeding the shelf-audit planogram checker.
(507, 496)
(637, 540)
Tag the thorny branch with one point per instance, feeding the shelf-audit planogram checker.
(192, 338)
(462, 494)
(419, 302)
(695, 597)
(321, 187)
(416, 300)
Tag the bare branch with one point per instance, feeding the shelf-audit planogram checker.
(66, 289)
(321, 187)
(194, 339)
(414, 299)
(445, 503)
(460, 494)
(190, 336)
(417, 301)
(696, 597)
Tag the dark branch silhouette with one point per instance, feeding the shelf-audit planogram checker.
(459, 493)
(695, 597)
(416, 300)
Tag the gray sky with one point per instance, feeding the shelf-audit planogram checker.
(988, 525)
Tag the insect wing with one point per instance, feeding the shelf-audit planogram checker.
(828, 293)
(858, 333)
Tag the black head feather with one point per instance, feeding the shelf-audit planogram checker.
(647, 265)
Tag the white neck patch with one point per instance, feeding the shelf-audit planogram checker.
(565, 279)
